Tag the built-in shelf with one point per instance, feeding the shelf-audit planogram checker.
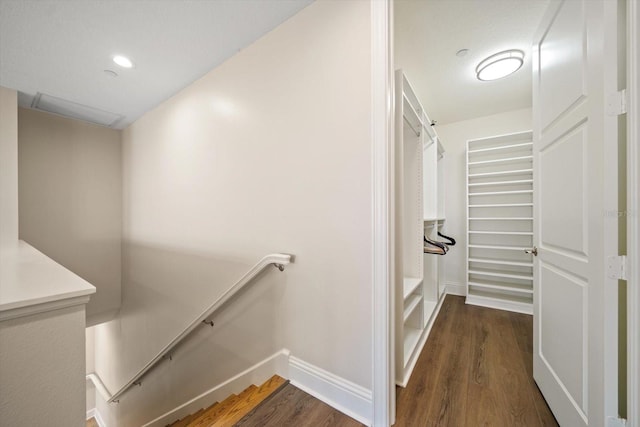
(501, 193)
(502, 160)
(501, 148)
(501, 173)
(497, 276)
(499, 247)
(411, 339)
(501, 262)
(520, 303)
(494, 273)
(420, 174)
(503, 233)
(503, 287)
(410, 285)
(412, 303)
(494, 218)
(501, 205)
(512, 182)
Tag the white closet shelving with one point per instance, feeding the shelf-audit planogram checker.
(417, 277)
(500, 222)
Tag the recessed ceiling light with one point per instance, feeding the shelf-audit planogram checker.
(123, 61)
(462, 52)
(500, 65)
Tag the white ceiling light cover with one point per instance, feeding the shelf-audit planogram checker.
(123, 61)
(500, 65)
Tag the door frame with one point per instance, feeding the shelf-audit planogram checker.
(633, 214)
(383, 215)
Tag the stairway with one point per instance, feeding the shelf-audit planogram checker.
(233, 408)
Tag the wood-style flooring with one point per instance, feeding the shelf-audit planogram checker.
(293, 407)
(476, 369)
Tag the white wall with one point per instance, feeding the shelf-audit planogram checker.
(42, 372)
(268, 152)
(454, 138)
(70, 185)
(8, 168)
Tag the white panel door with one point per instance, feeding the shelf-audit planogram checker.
(570, 139)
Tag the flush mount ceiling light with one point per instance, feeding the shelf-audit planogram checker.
(500, 65)
(123, 61)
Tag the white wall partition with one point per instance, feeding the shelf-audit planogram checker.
(268, 152)
(8, 168)
(71, 200)
(42, 311)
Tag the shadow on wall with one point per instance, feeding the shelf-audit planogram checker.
(165, 290)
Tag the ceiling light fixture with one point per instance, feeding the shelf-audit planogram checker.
(500, 65)
(123, 61)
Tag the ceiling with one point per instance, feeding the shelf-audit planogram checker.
(62, 48)
(428, 33)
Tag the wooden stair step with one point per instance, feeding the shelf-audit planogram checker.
(238, 410)
(184, 422)
(233, 408)
(251, 402)
(269, 387)
(212, 414)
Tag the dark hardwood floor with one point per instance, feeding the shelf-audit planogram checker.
(293, 407)
(475, 370)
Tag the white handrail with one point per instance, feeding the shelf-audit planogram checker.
(278, 260)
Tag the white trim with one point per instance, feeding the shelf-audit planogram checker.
(257, 374)
(500, 304)
(343, 395)
(633, 217)
(93, 413)
(454, 289)
(382, 410)
(44, 307)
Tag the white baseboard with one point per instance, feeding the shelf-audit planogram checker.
(257, 374)
(93, 413)
(343, 395)
(455, 289)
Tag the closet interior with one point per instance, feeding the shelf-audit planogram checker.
(419, 217)
(500, 222)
